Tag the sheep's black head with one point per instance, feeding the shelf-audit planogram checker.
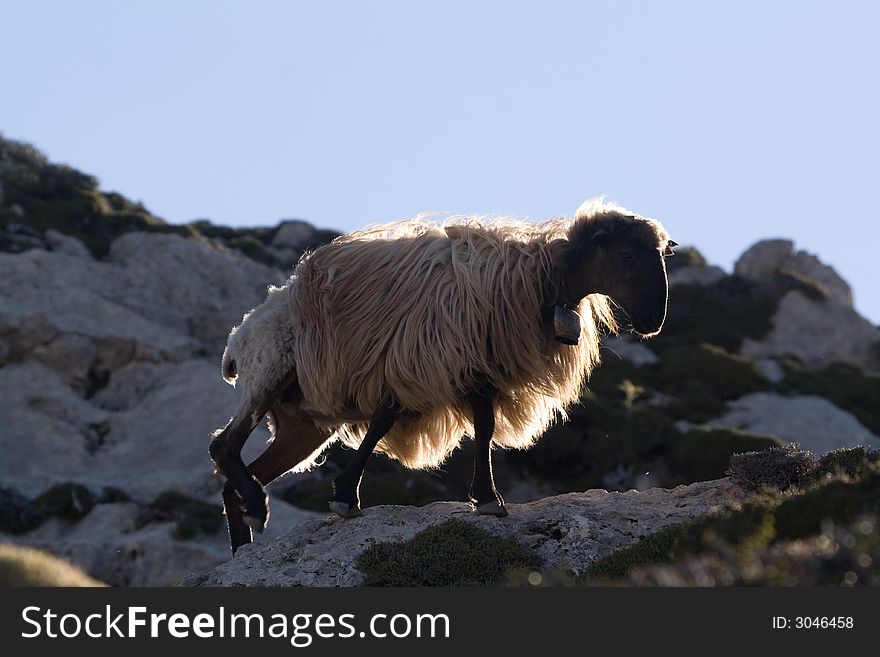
(623, 257)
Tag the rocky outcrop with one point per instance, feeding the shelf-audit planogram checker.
(109, 371)
(815, 321)
(814, 422)
(818, 333)
(569, 532)
(106, 368)
(769, 258)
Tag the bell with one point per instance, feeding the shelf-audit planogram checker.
(566, 325)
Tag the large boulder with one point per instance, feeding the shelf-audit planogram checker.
(814, 422)
(569, 532)
(815, 320)
(817, 333)
(146, 433)
(767, 258)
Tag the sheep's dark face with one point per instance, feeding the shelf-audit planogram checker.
(630, 270)
(635, 278)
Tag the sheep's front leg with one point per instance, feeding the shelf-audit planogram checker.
(483, 494)
(346, 501)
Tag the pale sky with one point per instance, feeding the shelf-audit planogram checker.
(729, 123)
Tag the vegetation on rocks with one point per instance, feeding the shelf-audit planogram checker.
(70, 502)
(453, 553)
(841, 490)
(38, 195)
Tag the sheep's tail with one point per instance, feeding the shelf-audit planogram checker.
(228, 366)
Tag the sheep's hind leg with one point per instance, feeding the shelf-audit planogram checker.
(225, 450)
(483, 494)
(296, 438)
(345, 501)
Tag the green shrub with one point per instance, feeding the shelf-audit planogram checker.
(68, 500)
(842, 555)
(385, 481)
(685, 256)
(599, 438)
(192, 515)
(779, 467)
(755, 525)
(702, 378)
(453, 553)
(17, 514)
(704, 454)
(61, 198)
(722, 314)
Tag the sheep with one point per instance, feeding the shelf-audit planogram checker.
(405, 337)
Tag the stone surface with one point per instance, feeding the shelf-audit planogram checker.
(814, 422)
(694, 275)
(144, 440)
(818, 333)
(122, 545)
(625, 347)
(770, 257)
(763, 259)
(61, 243)
(569, 531)
(293, 234)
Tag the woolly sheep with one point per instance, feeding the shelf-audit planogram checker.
(408, 336)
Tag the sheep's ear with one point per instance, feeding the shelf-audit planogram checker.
(668, 252)
(600, 238)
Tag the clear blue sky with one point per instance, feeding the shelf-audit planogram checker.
(729, 123)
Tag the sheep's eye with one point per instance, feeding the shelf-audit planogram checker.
(626, 255)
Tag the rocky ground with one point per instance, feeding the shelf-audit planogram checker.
(112, 323)
(567, 532)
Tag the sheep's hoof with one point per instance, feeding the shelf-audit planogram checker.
(492, 508)
(345, 510)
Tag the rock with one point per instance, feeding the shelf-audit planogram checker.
(188, 285)
(814, 422)
(157, 440)
(624, 347)
(810, 267)
(66, 244)
(763, 259)
(85, 297)
(771, 370)
(129, 385)
(818, 334)
(292, 234)
(694, 275)
(71, 355)
(48, 430)
(122, 545)
(167, 296)
(568, 531)
(768, 258)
